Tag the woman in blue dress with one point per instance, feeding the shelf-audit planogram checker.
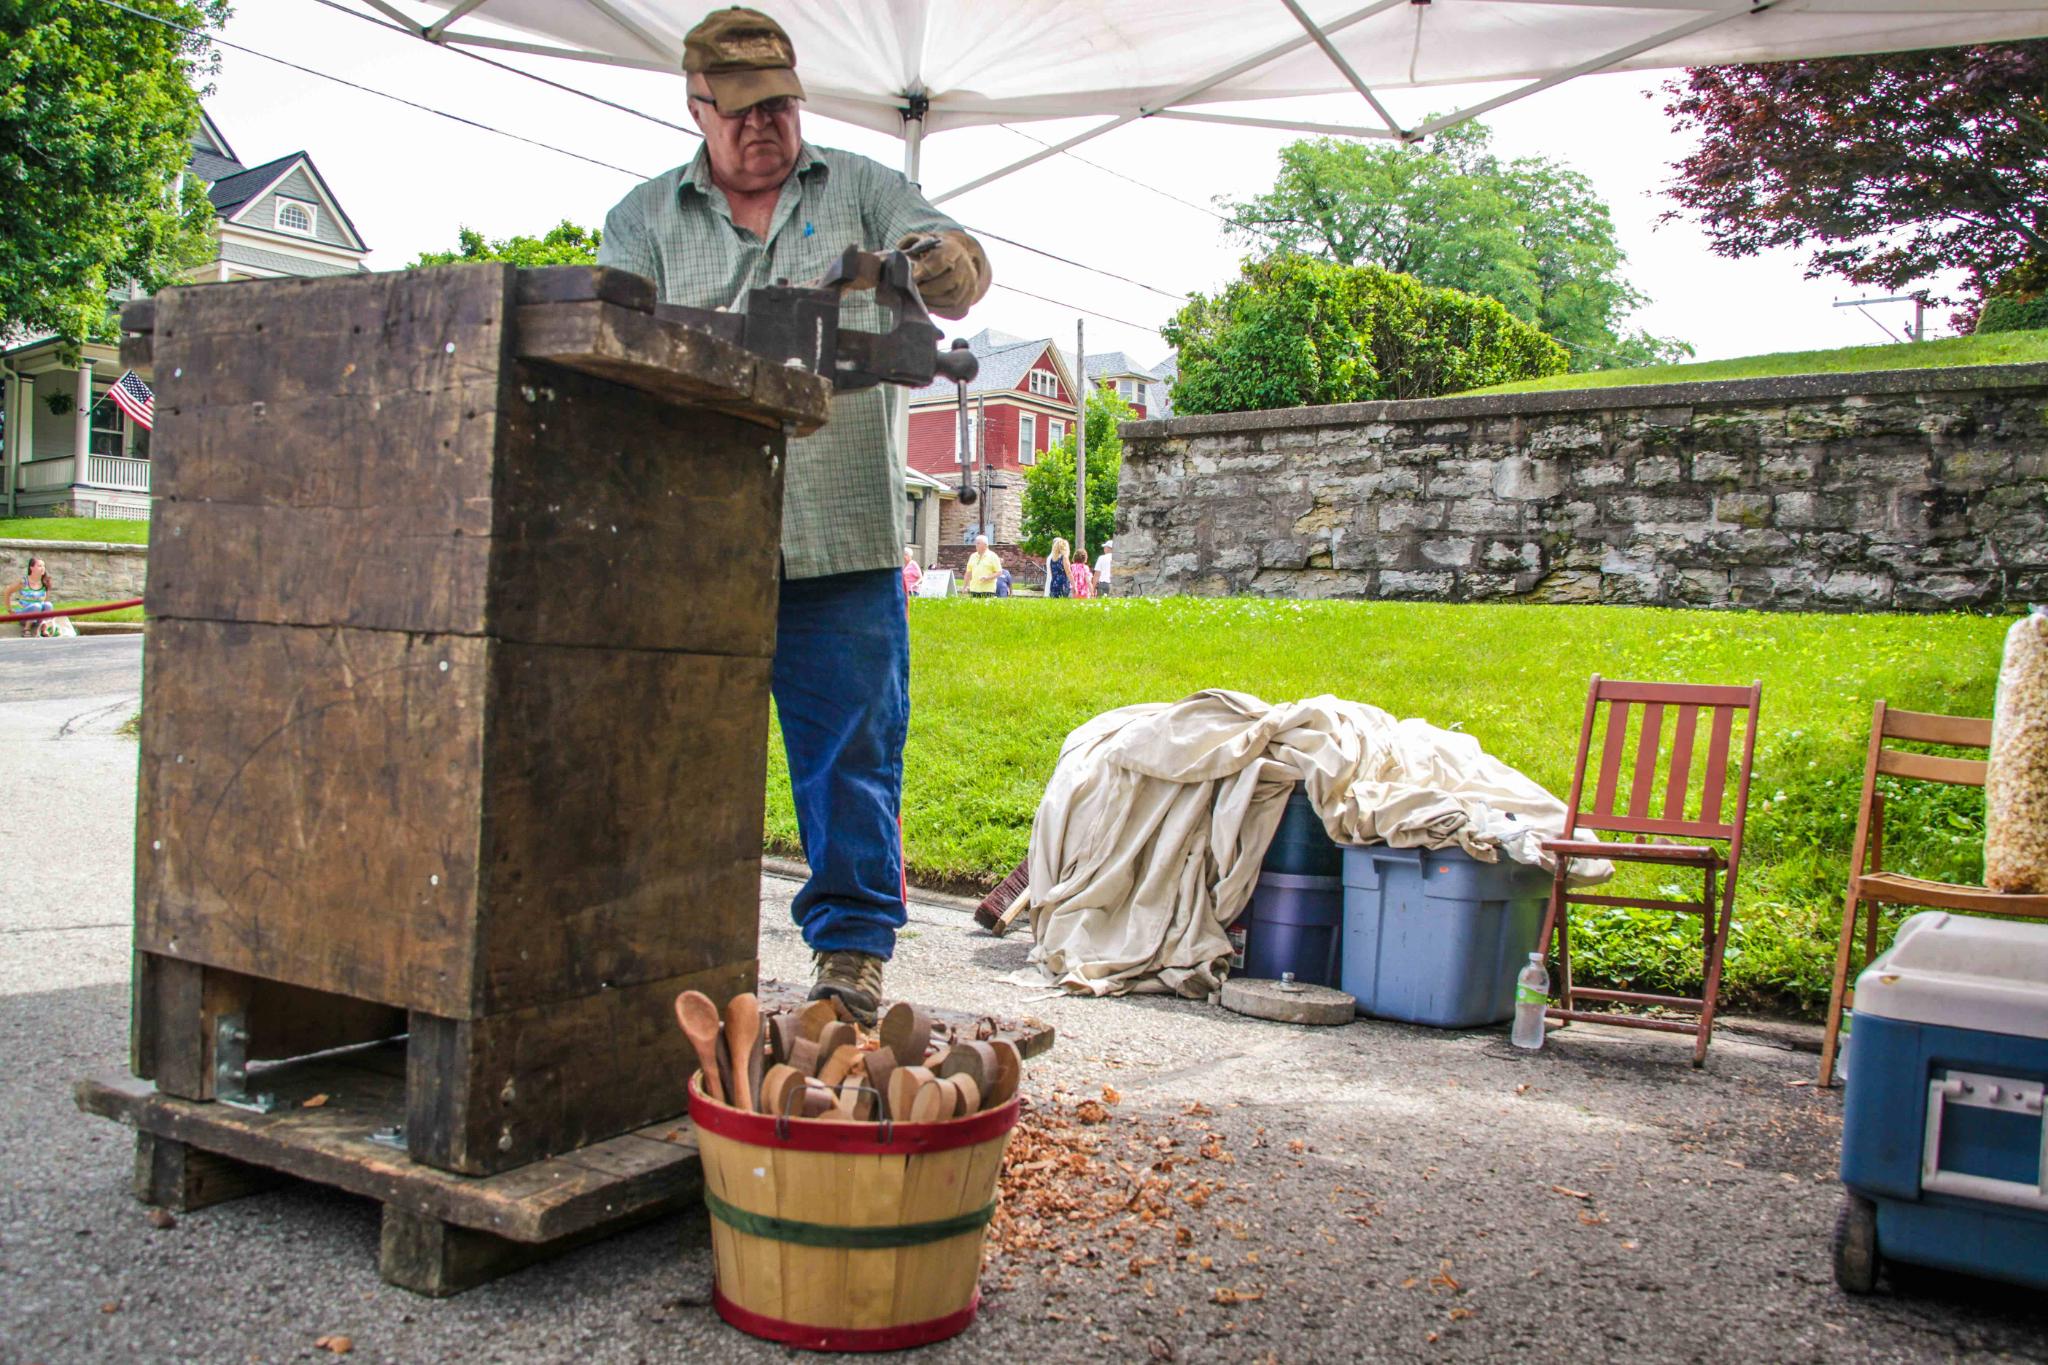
(1058, 583)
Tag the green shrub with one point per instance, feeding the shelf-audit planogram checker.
(2013, 313)
(1293, 330)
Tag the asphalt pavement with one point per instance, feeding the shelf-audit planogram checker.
(1377, 1191)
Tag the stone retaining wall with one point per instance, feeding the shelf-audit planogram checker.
(1910, 490)
(83, 571)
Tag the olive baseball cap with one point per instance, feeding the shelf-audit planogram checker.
(744, 56)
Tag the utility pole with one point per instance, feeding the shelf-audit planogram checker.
(981, 455)
(1080, 439)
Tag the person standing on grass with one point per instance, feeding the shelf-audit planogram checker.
(1084, 582)
(759, 203)
(912, 575)
(1102, 569)
(1057, 581)
(983, 568)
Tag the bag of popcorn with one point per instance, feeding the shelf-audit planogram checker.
(2016, 781)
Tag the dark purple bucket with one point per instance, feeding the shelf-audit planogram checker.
(1293, 924)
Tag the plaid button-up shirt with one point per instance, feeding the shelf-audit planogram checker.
(843, 498)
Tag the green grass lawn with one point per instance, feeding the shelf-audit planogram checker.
(108, 529)
(995, 687)
(1994, 348)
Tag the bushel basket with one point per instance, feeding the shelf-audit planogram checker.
(839, 1236)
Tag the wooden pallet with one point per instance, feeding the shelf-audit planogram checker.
(443, 1233)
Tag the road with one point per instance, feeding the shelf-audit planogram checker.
(1379, 1191)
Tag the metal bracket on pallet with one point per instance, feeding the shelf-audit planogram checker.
(231, 1066)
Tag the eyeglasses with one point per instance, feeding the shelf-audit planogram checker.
(774, 107)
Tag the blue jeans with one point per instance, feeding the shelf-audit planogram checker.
(842, 693)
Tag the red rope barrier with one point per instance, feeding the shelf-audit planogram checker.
(70, 611)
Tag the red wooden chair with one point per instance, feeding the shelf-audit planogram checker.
(1870, 885)
(1716, 857)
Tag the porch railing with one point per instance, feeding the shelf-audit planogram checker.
(117, 472)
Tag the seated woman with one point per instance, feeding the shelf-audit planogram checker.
(34, 591)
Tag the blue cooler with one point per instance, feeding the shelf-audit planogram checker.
(1434, 936)
(1943, 1148)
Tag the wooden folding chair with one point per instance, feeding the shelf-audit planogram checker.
(1870, 885)
(1673, 796)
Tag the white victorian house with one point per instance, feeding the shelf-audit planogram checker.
(62, 444)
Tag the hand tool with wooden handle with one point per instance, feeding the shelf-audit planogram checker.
(701, 1025)
(743, 1041)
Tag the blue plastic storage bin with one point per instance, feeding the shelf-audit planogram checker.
(1943, 1149)
(1293, 924)
(1434, 936)
(1301, 847)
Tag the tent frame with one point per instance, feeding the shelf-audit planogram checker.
(443, 31)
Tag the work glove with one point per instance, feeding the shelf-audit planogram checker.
(951, 275)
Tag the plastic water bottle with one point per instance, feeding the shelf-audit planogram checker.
(1532, 997)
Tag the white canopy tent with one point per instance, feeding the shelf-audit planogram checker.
(915, 67)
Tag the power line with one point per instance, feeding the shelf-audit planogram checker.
(594, 98)
(1120, 175)
(340, 8)
(368, 90)
(1075, 307)
(640, 113)
(623, 170)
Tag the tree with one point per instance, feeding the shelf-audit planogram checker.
(564, 244)
(97, 112)
(1529, 233)
(1893, 167)
(1295, 330)
(1049, 484)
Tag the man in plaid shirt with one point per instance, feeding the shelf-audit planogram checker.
(759, 203)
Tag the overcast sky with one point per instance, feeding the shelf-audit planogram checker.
(408, 179)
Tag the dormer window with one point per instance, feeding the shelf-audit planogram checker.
(1045, 383)
(295, 216)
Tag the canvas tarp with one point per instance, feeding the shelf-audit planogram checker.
(979, 63)
(1150, 834)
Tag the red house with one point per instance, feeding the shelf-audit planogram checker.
(1021, 403)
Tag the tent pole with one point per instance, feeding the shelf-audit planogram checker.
(1620, 54)
(1293, 125)
(1186, 92)
(1344, 68)
(434, 30)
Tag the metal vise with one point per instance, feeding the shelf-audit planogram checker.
(798, 324)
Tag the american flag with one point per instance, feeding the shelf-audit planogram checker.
(135, 398)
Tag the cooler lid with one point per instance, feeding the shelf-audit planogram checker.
(1962, 971)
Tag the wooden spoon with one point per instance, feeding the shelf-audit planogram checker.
(782, 1036)
(803, 1055)
(834, 1036)
(836, 1067)
(813, 1018)
(904, 1084)
(977, 1061)
(880, 1065)
(966, 1094)
(820, 1101)
(934, 1102)
(907, 1033)
(1002, 1086)
(743, 1037)
(775, 1087)
(701, 1025)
